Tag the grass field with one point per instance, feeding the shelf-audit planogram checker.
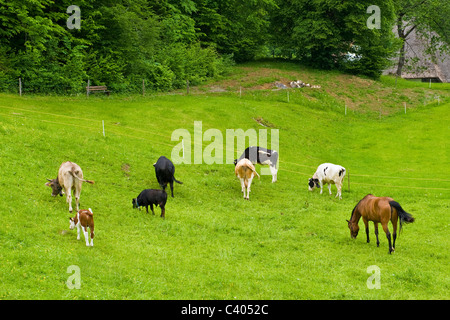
(285, 243)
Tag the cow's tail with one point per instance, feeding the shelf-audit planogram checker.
(75, 175)
(253, 169)
(404, 216)
(177, 180)
(90, 212)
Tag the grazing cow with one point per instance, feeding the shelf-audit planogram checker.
(83, 220)
(165, 170)
(70, 176)
(150, 197)
(262, 156)
(328, 173)
(245, 171)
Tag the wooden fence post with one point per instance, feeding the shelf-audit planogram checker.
(143, 87)
(187, 86)
(20, 86)
(87, 88)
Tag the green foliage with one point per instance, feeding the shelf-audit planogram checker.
(324, 33)
(119, 44)
(166, 42)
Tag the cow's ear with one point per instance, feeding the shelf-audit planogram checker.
(48, 184)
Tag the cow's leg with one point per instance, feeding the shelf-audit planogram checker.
(321, 186)
(248, 188)
(151, 207)
(171, 187)
(329, 188)
(242, 186)
(163, 211)
(92, 237)
(273, 171)
(376, 233)
(86, 235)
(78, 231)
(76, 194)
(339, 188)
(69, 199)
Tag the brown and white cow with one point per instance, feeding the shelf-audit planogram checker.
(245, 171)
(83, 220)
(70, 176)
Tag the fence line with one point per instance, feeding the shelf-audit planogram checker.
(87, 127)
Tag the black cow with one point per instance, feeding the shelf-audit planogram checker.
(165, 170)
(262, 156)
(150, 197)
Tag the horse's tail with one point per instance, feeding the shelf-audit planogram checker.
(404, 216)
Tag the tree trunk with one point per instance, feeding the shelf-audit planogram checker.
(401, 60)
(401, 35)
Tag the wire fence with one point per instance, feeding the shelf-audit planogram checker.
(97, 126)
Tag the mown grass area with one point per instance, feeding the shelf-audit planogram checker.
(285, 243)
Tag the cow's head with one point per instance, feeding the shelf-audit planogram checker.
(56, 187)
(313, 183)
(235, 162)
(72, 223)
(135, 203)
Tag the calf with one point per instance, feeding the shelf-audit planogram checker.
(70, 176)
(165, 170)
(84, 219)
(262, 156)
(150, 197)
(328, 173)
(245, 171)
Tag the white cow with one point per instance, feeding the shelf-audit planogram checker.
(327, 173)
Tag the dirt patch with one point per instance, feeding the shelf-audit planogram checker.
(126, 169)
(357, 93)
(264, 122)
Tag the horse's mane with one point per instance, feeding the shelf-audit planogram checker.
(353, 211)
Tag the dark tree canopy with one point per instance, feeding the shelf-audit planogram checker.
(166, 42)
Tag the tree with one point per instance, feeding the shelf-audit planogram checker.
(429, 19)
(235, 27)
(325, 33)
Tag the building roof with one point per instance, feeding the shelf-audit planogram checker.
(422, 65)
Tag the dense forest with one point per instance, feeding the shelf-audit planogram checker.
(120, 43)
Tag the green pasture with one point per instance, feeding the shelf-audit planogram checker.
(285, 243)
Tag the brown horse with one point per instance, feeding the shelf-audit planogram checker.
(378, 210)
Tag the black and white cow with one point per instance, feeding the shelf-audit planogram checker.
(262, 156)
(328, 173)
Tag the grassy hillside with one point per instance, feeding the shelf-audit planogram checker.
(285, 243)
